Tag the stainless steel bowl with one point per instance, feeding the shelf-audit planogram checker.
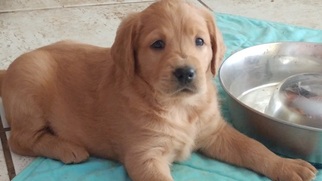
(298, 99)
(250, 77)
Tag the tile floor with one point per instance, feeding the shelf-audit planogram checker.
(28, 24)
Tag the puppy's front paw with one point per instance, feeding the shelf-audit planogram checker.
(73, 154)
(294, 170)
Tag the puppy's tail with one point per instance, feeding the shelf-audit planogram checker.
(2, 73)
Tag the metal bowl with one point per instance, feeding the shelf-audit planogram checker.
(250, 78)
(298, 99)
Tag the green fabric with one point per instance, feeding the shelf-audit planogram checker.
(239, 33)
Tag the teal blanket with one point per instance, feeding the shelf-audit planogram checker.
(239, 33)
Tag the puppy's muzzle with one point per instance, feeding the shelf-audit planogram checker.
(184, 75)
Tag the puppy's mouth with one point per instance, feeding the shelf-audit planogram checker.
(185, 90)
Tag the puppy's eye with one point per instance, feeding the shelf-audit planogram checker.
(159, 44)
(199, 41)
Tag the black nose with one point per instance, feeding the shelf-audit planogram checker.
(185, 75)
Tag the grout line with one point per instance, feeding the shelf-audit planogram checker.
(6, 129)
(103, 4)
(31, 9)
(6, 151)
(71, 6)
(204, 4)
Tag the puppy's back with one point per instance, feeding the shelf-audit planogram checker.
(41, 74)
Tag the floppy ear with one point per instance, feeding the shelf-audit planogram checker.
(217, 43)
(123, 48)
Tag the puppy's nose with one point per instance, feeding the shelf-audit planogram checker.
(185, 75)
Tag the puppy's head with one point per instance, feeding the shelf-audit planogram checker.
(173, 46)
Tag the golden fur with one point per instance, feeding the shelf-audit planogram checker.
(69, 100)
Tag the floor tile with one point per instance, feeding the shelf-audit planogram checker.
(3, 168)
(195, 2)
(69, 3)
(24, 31)
(19, 5)
(27, 5)
(297, 12)
(20, 162)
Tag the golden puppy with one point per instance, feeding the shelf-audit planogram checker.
(147, 101)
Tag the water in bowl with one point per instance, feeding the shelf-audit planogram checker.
(258, 97)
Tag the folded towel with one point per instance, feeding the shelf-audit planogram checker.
(239, 33)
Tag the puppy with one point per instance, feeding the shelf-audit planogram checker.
(147, 101)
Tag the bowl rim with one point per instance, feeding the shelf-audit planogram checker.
(234, 54)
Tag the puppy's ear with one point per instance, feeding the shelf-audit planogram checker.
(123, 50)
(217, 43)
